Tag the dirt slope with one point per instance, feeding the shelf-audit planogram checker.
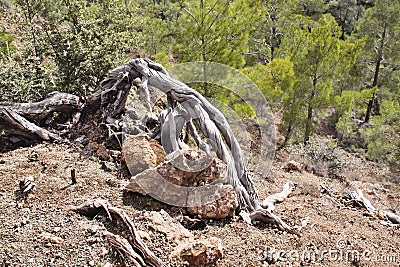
(335, 234)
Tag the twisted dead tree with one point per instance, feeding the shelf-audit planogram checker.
(134, 249)
(62, 115)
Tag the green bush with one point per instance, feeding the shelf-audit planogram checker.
(67, 46)
(322, 156)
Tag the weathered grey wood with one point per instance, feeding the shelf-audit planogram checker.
(14, 124)
(110, 97)
(142, 255)
(215, 126)
(270, 201)
(38, 112)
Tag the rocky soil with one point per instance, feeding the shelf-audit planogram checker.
(39, 231)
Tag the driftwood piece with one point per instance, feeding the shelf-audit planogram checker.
(392, 217)
(187, 108)
(269, 202)
(28, 121)
(124, 247)
(265, 214)
(357, 197)
(142, 254)
(15, 125)
(38, 112)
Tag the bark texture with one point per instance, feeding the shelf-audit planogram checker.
(63, 115)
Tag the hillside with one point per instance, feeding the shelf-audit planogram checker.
(326, 223)
(199, 132)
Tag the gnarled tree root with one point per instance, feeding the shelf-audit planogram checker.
(186, 107)
(133, 248)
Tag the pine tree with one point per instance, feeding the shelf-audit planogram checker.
(216, 31)
(319, 58)
(383, 137)
(212, 30)
(267, 36)
(380, 58)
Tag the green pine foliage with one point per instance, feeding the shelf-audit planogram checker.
(383, 136)
(66, 45)
(334, 61)
(212, 30)
(320, 58)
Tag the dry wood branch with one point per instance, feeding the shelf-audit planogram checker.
(92, 208)
(357, 197)
(269, 218)
(265, 214)
(123, 246)
(38, 112)
(393, 218)
(16, 125)
(269, 202)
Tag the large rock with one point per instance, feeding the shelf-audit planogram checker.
(173, 230)
(200, 252)
(191, 168)
(213, 201)
(142, 153)
(189, 178)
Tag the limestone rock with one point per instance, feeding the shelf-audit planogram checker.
(200, 252)
(142, 153)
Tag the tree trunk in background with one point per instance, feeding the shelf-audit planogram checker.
(310, 112)
(373, 107)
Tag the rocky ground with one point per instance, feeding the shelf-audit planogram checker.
(39, 231)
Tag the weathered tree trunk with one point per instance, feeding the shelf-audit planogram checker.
(186, 107)
(27, 121)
